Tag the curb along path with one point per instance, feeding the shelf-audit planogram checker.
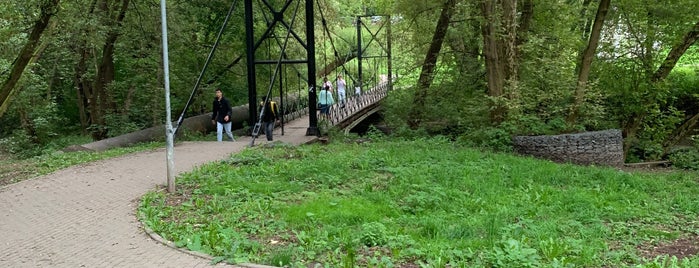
(85, 216)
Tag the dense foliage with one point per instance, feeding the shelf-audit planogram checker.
(97, 70)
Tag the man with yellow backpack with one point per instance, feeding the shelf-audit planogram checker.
(270, 116)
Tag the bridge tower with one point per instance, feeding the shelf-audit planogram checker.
(380, 37)
(282, 17)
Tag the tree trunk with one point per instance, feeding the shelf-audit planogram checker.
(676, 53)
(200, 123)
(584, 28)
(679, 133)
(525, 22)
(494, 70)
(466, 45)
(48, 9)
(105, 69)
(511, 52)
(659, 75)
(83, 88)
(28, 125)
(586, 61)
(584, 25)
(509, 16)
(664, 70)
(428, 66)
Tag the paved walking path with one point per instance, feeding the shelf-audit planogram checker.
(84, 216)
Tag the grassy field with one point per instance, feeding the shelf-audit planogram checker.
(425, 203)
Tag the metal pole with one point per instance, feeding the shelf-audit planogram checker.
(359, 51)
(281, 96)
(311, 56)
(168, 117)
(388, 45)
(252, 80)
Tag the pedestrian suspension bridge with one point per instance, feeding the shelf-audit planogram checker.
(283, 53)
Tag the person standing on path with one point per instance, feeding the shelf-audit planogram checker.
(270, 116)
(221, 116)
(341, 86)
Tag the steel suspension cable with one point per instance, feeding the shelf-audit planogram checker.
(274, 76)
(332, 43)
(206, 65)
(264, 16)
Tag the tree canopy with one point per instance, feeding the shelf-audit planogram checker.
(476, 70)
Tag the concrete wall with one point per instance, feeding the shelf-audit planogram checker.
(599, 147)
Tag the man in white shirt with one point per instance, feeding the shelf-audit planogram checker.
(341, 86)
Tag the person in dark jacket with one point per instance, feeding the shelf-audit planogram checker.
(221, 116)
(270, 116)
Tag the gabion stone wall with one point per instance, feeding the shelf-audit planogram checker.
(599, 147)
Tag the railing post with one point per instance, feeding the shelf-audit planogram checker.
(359, 53)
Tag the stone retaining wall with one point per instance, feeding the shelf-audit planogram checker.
(599, 147)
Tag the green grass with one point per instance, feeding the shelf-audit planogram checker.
(429, 203)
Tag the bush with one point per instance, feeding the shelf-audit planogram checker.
(492, 138)
(374, 234)
(513, 253)
(687, 158)
(20, 144)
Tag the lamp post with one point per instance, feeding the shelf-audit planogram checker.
(169, 131)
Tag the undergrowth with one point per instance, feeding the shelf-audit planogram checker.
(422, 203)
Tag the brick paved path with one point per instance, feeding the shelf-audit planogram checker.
(84, 216)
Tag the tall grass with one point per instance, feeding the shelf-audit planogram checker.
(432, 203)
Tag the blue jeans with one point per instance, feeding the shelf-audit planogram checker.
(269, 128)
(324, 109)
(219, 131)
(341, 97)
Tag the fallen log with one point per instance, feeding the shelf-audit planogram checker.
(200, 123)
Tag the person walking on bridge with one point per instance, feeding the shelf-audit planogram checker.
(221, 116)
(270, 116)
(327, 83)
(325, 100)
(341, 86)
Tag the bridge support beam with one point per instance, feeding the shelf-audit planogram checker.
(252, 44)
(250, 48)
(311, 56)
(384, 46)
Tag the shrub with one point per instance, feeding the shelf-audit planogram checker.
(686, 158)
(20, 144)
(513, 253)
(374, 234)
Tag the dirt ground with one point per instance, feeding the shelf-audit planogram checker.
(680, 248)
(12, 171)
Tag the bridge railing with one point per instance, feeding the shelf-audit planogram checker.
(296, 109)
(339, 112)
